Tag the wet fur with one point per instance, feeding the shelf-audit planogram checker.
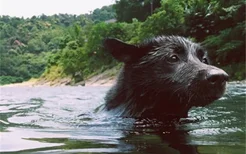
(149, 85)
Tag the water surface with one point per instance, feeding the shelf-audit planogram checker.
(63, 120)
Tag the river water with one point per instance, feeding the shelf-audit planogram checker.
(63, 120)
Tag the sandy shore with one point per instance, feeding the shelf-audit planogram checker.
(106, 78)
(95, 81)
(29, 83)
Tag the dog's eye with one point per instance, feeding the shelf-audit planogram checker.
(205, 60)
(173, 58)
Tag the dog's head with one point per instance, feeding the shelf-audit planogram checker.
(173, 65)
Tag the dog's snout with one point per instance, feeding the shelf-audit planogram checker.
(217, 76)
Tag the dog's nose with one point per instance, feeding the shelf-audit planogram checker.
(217, 76)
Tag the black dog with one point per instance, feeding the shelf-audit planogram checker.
(163, 77)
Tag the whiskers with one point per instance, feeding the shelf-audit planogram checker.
(230, 97)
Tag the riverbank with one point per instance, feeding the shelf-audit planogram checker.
(30, 83)
(107, 78)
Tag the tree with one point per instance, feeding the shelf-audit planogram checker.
(36, 46)
(126, 10)
(168, 21)
(103, 14)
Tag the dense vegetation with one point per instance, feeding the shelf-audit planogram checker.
(68, 45)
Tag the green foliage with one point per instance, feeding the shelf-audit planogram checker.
(54, 72)
(237, 71)
(103, 14)
(167, 21)
(126, 10)
(204, 18)
(71, 60)
(36, 45)
(9, 79)
(97, 56)
(228, 46)
(22, 67)
(69, 45)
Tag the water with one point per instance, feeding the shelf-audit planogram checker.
(63, 120)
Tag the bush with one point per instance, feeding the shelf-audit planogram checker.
(236, 71)
(10, 79)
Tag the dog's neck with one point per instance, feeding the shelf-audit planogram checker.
(137, 101)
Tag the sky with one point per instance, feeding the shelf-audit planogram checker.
(29, 8)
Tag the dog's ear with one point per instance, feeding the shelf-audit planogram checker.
(122, 51)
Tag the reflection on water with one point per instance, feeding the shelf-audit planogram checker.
(63, 120)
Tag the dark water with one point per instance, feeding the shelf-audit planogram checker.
(62, 120)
